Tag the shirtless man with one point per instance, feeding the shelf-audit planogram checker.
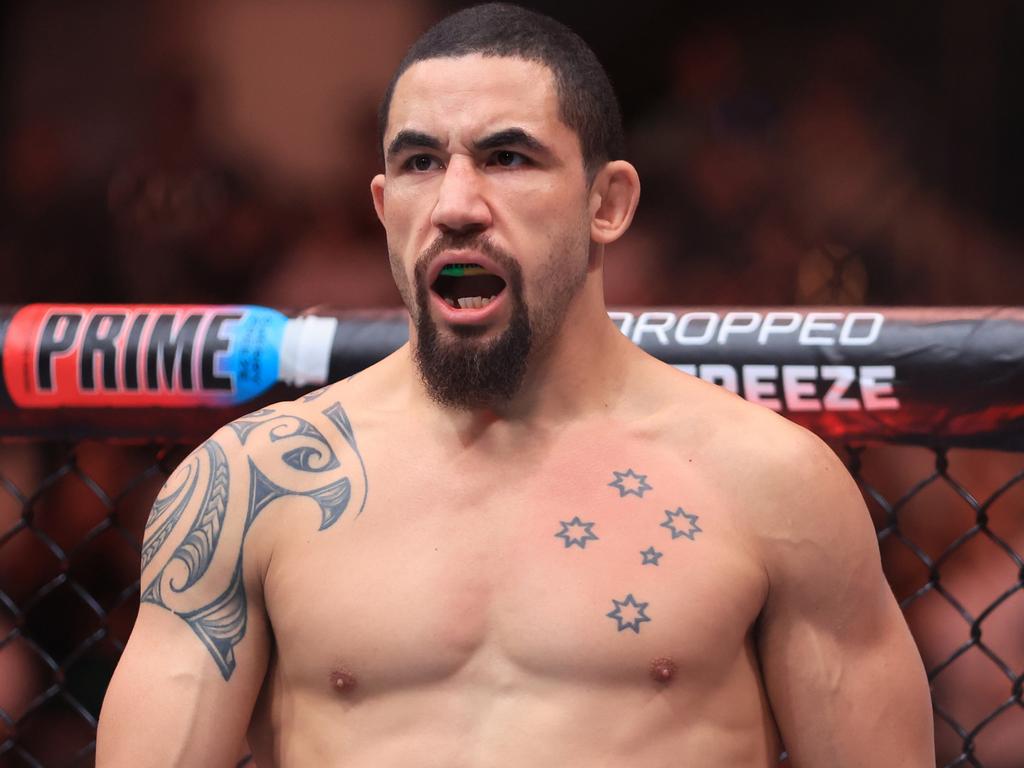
(519, 540)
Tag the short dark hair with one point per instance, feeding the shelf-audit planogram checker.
(586, 99)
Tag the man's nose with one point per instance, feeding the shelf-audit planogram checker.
(461, 204)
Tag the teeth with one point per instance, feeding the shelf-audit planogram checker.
(473, 302)
(469, 302)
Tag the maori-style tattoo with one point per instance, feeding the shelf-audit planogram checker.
(628, 613)
(196, 550)
(243, 426)
(672, 521)
(261, 413)
(313, 468)
(308, 458)
(651, 556)
(178, 498)
(630, 483)
(576, 532)
(332, 498)
(318, 457)
(338, 417)
(221, 623)
(315, 394)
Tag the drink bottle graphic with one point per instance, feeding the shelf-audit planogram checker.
(169, 356)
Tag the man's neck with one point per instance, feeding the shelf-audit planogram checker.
(580, 372)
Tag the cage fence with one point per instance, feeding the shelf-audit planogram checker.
(934, 442)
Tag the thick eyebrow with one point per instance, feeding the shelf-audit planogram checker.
(411, 139)
(511, 137)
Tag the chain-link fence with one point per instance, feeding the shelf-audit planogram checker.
(950, 524)
(951, 530)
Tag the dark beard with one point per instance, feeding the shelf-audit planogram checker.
(466, 372)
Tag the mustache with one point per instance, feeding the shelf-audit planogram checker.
(457, 241)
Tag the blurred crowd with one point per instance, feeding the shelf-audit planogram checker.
(205, 152)
(221, 152)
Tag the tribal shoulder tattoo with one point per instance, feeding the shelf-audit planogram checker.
(192, 511)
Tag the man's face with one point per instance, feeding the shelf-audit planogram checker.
(485, 203)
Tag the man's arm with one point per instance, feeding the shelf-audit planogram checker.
(844, 677)
(184, 689)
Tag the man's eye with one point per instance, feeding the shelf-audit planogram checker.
(508, 159)
(423, 163)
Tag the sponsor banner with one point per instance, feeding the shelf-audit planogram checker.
(912, 374)
(909, 374)
(130, 356)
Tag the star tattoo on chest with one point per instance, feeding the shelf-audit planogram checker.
(576, 532)
(628, 613)
(651, 556)
(629, 483)
(673, 522)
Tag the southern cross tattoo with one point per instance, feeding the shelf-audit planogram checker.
(651, 556)
(672, 522)
(576, 532)
(628, 613)
(630, 483)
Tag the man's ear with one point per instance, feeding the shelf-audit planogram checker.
(613, 199)
(377, 193)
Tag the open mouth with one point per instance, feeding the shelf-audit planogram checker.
(467, 286)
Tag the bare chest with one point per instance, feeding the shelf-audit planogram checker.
(587, 566)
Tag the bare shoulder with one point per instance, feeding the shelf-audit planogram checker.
(778, 472)
(365, 398)
(332, 415)
(210, 515)
(793, 502)
(306, 447)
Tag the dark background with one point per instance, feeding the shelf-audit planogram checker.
(790, 153)
(220, 151)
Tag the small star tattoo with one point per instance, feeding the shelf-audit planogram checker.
(629, 482)
(671, 519)
(632, 617)
(571, 533)
(651, 556)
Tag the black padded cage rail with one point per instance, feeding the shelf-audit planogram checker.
(925, 407)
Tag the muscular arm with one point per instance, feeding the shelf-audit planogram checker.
(186, 683)
(843, 674)
(185, 687)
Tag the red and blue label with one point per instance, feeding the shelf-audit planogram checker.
(86, 356)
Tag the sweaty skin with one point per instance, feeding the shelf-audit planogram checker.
(621, 566)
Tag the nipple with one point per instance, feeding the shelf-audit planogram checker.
(663, 669)
(343, 680)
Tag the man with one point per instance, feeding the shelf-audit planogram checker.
(517, 541)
